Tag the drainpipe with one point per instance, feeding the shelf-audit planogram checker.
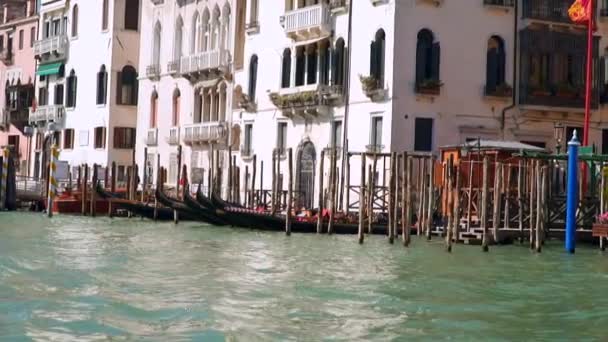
(346, 90)
(515, 52)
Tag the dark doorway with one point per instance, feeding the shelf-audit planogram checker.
(306, 174)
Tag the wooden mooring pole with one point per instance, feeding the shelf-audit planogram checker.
(112, 189)
(289, 191)
(321, 190)
(484, 205)
(93, 206)
(407, 199)
(391, 202)
(85, 178)
(253, 176)
(332, 191)
(431, 198)
(361, 231)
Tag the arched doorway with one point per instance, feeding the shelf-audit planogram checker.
(306, 174)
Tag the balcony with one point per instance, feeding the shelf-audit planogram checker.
(246, 152)
(152, 137)
(499, 91)
(547, 10)
(42, 114)
(499, 3)
(306, 101)
(205, 65)
(173, 138)
(153, 71)
(56, 46)
(308, 23)
(338, 6)
(374, 148)
(173, 68)
(252, 27)
(205, 133)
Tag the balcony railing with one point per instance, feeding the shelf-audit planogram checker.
(152, 137)
(53, 113)
(173, 67)
(153, 71)
(308, 22)
(208, 132)
(547, 10)
(57, 45)
(499, 3)
(246, 151)
(173, 138)
(207, 64)
(374, 148)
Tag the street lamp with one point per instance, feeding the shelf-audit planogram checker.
(558, 131)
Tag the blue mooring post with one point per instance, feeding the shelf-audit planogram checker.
(572, 193)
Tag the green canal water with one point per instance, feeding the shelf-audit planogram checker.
(81, 279)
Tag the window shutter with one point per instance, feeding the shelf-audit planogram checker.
(75, 91)
(286, 70)
(372, 59)
(118, 90)
(421, 59)
(380, 61)
(502, 67)
(435, 61)
(602, 93)
(491, 70)
(334, 66)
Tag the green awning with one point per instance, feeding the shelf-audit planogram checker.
(49, 69)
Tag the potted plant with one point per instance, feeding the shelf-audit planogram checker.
(429, 86)
(369, 83)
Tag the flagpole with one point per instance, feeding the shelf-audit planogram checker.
(588, 75)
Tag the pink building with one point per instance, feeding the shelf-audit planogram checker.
(18, 25)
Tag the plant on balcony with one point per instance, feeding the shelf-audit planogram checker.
(300, 99)
(369, 83)
(246, 103)
(429, 86)
(566, 90)
(501, 90)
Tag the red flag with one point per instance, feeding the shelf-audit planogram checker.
(580, 11)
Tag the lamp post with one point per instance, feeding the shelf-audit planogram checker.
(558, 133)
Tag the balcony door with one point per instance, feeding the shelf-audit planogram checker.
(306, 174)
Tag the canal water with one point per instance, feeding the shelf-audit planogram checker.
(82, 279)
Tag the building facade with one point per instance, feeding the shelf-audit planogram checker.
(87, 81)
(18, 27)
(185, 95)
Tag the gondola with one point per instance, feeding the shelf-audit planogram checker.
(184, 210)
(139, 208)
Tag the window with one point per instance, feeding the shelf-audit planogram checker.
(75, 21)
(43, 96)
(32, 36)
(376, 65)
(39, 141)
(247, 139)
(376, 133)
(21, 37)
(423, 134)
(495, 64)
(282, 137)
(126, 86)
(57, 138)
(56, 27)
(104, 15)
(178, 40)
(1, 42)
(132, 15)
(58, 94)
(195, 33)
(156, 46)
(253, 12)
(13, 141)
(72, 86)
(102, 84)
(239, 33)
(605, 141)
(427, 58)
(311, 64)
(68, 139)
(324, 62)
(336, 134)
(176, 108)
(100, 137)
(124, 137)
(253, 76)
(337, 68)
(286, 69)
(153, 109)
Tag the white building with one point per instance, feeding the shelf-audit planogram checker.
(185, 95)
(88, 53)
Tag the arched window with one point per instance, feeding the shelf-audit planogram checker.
(178, 40)
(215, 28)
(153, 109)
(225, 27)
(221, 97)
(72, 85)
(324, 61)
(104, 15)
(338, 63)
(427, 58)
(75, 21)
(205, 32)
(176, 107)
(157, 42)
(126, 87)
(102, 85)
(132, 15)
(495, 64)
(311, 64)
(286, 69)
(253, 76)
(376, 65)
(195, 33)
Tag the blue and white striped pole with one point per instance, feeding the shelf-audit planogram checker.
(572, 193)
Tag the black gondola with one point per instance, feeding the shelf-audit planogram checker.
(203, 215)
